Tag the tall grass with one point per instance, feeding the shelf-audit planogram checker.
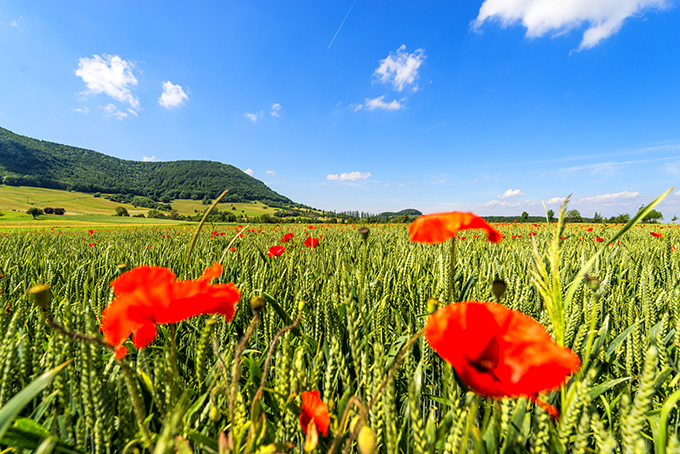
(359, 303)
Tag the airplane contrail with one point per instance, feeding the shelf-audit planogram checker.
(343, 22)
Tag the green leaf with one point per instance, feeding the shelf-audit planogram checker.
(11, 409)
(602, 387)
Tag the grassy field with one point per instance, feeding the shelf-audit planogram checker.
(16, 200)
(206, 385)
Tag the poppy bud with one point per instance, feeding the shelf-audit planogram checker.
(215, 413)
(301, 305)
(367, 440)
(42, 296)
(593, 282)
(432, 305)
(257, 303)
(120, 269)
(498, 288)
(364, 232)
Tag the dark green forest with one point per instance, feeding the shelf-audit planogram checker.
(30, 162)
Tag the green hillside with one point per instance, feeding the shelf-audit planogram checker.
(30, 162)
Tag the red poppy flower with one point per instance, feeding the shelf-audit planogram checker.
(311, 242)
(599, 240)
(589, 229)
(91, 232)
(439, 227)
(275, 251)
(532, 233)
(287, 237)
(148, 295)
(655, 235)
(314, 411)
(497, 351)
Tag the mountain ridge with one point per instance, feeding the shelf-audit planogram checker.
(26, 161)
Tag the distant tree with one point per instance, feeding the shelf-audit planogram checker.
(155, 214)
(675, 218)
(524, 216)
(620, 219)
(122, 211)
(551, 216)
(97, 194)
(652, 217)
(597, 218)
(35, 212)
(574, 216)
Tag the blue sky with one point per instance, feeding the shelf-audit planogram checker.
(488, 106)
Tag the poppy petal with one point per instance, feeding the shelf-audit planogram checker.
(439, 227)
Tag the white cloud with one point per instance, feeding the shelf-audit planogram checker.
(496, 203)
(82, 110)
(556, 200)
(110, 75)
(275, 110)
(150, 159)
(378, 103)
(112, 111)
(271, 172)
(677, 193)
(608, 198)
(510, 194)
(603, 18)
(351, 176)
(173, 96)
(253, 116)
(17, 24)
(400, 69)
(248, 171)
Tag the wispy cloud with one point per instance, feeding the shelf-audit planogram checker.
(112, 111)
(400, 68)
(351, 176)
(276, 107)
(609, 198)
(378, 103)
(510, 194)
(607, 168)
(109, 75)
(150, 159)
(173, 96)
(18, 24)
(503, 203)
(602, 18)
(248, 171)
(556, 201)
(254, 116)
(82, 110)
(271, 172)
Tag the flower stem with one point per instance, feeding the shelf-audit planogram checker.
(452, 269)
(133, 390)
(236, 369)
(394, 367)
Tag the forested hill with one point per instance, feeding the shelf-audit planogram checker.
(31, 162)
